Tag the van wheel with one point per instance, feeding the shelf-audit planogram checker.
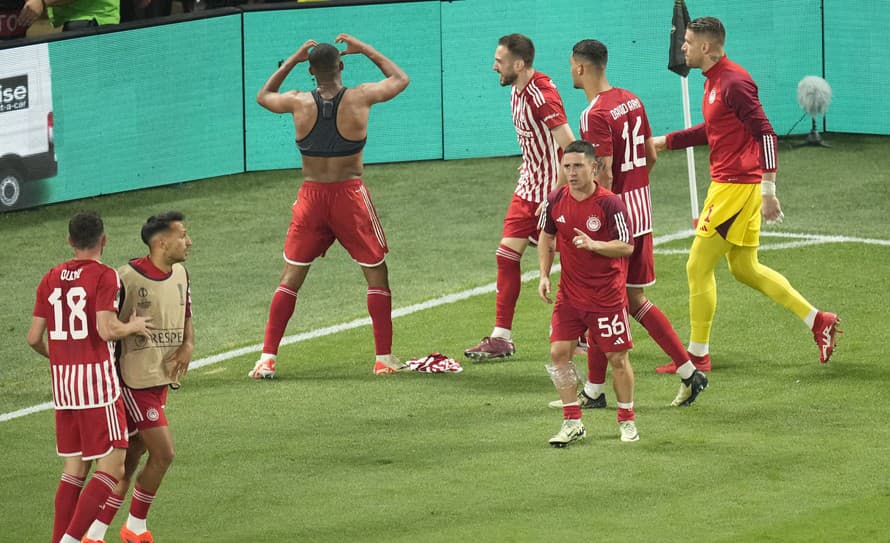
(10, 186)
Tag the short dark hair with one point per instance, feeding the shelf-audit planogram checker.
(710, 26)
(324, 57)
(581, 146)
(85, 229)
(159, 223)
(520, 47)
(592, 51)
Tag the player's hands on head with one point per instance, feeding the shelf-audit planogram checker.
(302, 54)
(772, 210)
(544, 289)
(660, 143)
(353, 45)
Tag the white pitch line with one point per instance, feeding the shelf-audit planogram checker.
(317, 333)
(809, 239)
(805, 240)
(26, 411)
(357, 323)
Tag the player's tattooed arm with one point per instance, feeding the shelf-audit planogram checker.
(603, 171)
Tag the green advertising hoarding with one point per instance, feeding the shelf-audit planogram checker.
(128, 108)
(122, 110)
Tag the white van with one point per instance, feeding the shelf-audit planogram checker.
(27, 152)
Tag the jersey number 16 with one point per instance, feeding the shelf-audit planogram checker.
(632, 157)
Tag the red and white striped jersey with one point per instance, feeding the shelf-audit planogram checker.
(537, 109)
(82, 363)
(616, 124)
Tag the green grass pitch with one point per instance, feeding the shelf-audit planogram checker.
(779, 448)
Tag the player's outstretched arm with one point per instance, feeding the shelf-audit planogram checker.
(396, 79)
(278, 102)
(659, 143)
(110, 328)
(681, 139)
(36, 336)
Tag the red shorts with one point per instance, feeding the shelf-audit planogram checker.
(342, 211)
(92, 432)
(145, 407)
(641, 264)
(609, 330)
(521, 221)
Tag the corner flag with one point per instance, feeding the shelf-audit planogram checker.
(677, 64)
(677, 61)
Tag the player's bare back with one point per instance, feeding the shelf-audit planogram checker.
(352, 124)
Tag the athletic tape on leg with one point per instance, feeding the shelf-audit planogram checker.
(563, 376)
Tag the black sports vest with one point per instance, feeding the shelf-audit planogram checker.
(324, 139)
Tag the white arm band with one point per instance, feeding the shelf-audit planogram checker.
(768, 188)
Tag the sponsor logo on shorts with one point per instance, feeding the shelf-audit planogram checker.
(594, 223)
(152, 414)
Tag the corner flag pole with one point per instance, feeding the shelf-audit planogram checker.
(677, 64)
(690, 153)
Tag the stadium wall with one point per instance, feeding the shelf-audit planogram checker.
(856, 67)
(156, 105)
(637, 35)
(407, 128)
(146, 107)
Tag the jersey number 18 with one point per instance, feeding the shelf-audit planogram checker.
(76, 299)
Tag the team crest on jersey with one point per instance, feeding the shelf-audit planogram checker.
(712, 96)
(152, 414)
(593, 223)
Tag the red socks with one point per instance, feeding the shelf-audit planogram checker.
(571, 412)
(112, 504)
(280, 311)
(509, 284)
(625, 414)
(659, 327)
(380, 309)
(282, 308)
(141, 502)
(94, 496)
(66, 501)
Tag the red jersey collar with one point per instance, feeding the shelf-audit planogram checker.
(146, 267)
(535, 76)
(718, 67)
